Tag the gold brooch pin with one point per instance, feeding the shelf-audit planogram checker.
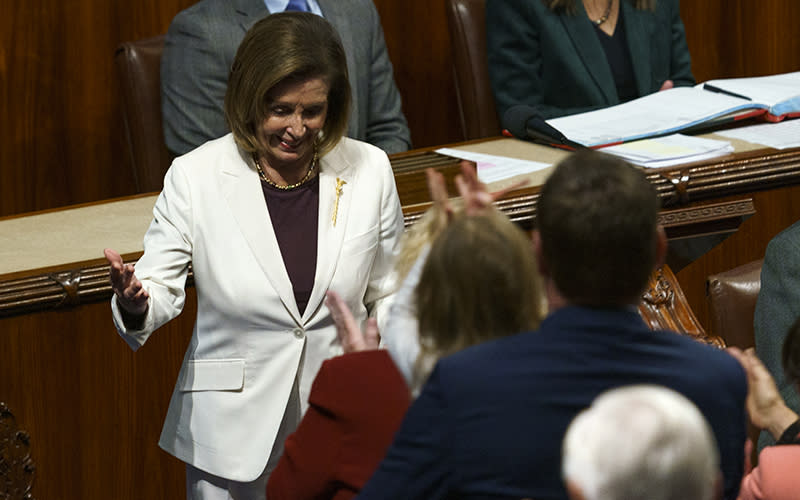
(339, 184)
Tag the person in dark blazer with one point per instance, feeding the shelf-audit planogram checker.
(490, 421)
(352, 417)
(570, 56)
(777, 307)
(270, 217)
(200, 47)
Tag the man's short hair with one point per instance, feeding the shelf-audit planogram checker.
(597, 217)
(641, 442)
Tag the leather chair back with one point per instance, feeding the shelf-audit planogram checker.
(466, 20)
(732, 303)
(138, 67)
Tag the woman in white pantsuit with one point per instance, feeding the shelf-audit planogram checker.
(270, 217)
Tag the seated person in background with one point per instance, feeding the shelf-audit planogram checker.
(569, 56)
(777, 308)
(776, 476)
(201, 44)
(469, 291)
(490, 420)
(641, 443)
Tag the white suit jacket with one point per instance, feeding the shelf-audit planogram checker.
(250, 345)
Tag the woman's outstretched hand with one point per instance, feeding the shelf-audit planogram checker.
(350, 335)
(131, 295)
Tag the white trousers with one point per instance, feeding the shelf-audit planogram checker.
(201, 485)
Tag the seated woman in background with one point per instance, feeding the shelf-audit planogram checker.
(470, 290)
(776, 477)
(570, 56)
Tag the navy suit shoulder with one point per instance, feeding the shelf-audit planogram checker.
(491, 418)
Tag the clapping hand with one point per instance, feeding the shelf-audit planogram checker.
(131, 295)
(765, 405)
(473, 192)
(350, 335)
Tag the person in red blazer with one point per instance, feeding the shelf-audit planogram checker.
(359, 399)
(356, 404)
(776, 476)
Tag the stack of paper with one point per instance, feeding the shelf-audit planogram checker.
(669, 150)
(493, 168)
(785, 134)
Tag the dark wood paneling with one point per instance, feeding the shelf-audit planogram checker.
(93, 407)
(738, 38)
(419, 47)
(61, 137)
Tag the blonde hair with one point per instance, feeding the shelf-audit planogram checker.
(284, 48)
(479, 282)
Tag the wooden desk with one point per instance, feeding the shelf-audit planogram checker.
(94, 409)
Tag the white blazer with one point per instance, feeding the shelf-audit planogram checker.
(251, 347)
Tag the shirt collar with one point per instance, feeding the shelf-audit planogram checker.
(280, 5)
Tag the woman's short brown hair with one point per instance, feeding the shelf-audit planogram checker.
(283, 48)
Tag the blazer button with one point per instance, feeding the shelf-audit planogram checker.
(299, 333)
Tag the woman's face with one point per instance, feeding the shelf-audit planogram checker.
(296, 113)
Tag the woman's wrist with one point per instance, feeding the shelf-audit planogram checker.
(781, 421)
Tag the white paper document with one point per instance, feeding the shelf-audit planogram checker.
(659, 113)
(782, 135)
(492, 168)
(669, 150)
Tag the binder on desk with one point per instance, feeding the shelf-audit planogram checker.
(708, 104)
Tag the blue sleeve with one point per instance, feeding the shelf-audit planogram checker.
(417, 465)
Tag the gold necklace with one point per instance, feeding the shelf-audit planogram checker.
(607, 13)
(272, 183)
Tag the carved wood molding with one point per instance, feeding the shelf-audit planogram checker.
(745, 173)
(664, 307)
(17, 469)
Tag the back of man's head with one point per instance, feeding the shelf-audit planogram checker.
(641, 442)
(597, 222)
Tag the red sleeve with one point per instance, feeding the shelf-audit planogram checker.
(307, 467)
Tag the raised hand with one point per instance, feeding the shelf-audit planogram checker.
(765, 405)
(350, 335)
(473, 192)
(131, 296)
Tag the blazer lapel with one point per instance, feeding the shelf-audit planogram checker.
(335, 171)
(637, 24)
(250, 11)
(584, 39)
(242, 189)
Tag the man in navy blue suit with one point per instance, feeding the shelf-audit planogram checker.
(490, 421)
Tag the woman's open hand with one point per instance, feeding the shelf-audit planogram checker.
(131, 295)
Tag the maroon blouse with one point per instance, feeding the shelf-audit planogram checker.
(295, 216)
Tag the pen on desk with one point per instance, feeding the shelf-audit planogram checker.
(723, 91)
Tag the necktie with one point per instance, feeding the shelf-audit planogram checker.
(298, 5)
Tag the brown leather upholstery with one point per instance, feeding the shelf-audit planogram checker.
(139, 71)
(732, 302)
(467, 22)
